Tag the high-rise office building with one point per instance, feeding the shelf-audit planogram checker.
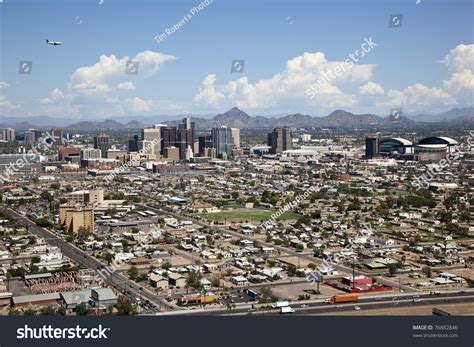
(38, 134)
(187, 124)
(154, 135)
(101, 141)
(30, 136)
(185, 136)
(205, 141)
(236, 137)
(168, 135)
(57, 135)
(9, 134)
(222, 140)
(372, 145)
(185, 139)
(280, 139)
(132, 144)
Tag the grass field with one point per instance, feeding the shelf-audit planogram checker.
(256, 215)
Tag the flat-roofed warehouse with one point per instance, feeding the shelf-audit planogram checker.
(37, 300)
(20, 163)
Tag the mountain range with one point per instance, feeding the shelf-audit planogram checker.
(237, 118)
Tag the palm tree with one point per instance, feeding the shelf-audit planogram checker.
(402, 260)
(8, 275)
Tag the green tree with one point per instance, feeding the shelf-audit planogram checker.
(392, 269)
(55, 185)
(108, 257)
(133, 272)
(29, 312)
(166, 265)
(47, 311)
(45, 195)
(125, 307)
(427, 271)
(61, 311)
(267, 295)
(194, 280)
(82, 309)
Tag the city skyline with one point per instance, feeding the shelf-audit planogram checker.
(415, 66)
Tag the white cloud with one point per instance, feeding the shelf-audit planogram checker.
(396, 98)
(460, 58)
(371, 88)
(91, 87)
(4, 85)
(56, 96)
(126, 86)
(208, 94)
(109, 67)
(458, 89)
(139, 105)
(6, 106)
(290, 85)
(418, 95)
(151, 62)
(460, 81)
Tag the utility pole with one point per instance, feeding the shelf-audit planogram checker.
(353, 275)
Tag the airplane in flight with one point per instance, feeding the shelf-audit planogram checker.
(54, 43)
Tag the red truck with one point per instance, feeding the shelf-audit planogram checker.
(346, 298)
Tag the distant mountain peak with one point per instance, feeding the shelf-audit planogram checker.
(233, 112)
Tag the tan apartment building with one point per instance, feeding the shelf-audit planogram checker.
(75, 217)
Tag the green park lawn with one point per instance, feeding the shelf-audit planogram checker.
(256, 215)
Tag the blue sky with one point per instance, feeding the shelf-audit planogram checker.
(426, 64)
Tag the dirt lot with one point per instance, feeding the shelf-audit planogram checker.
(292, 291)
(18, 288)
(299, 262)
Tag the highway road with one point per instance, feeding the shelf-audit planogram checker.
(381, 301)
(117, 280)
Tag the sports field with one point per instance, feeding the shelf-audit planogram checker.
(256, 215)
